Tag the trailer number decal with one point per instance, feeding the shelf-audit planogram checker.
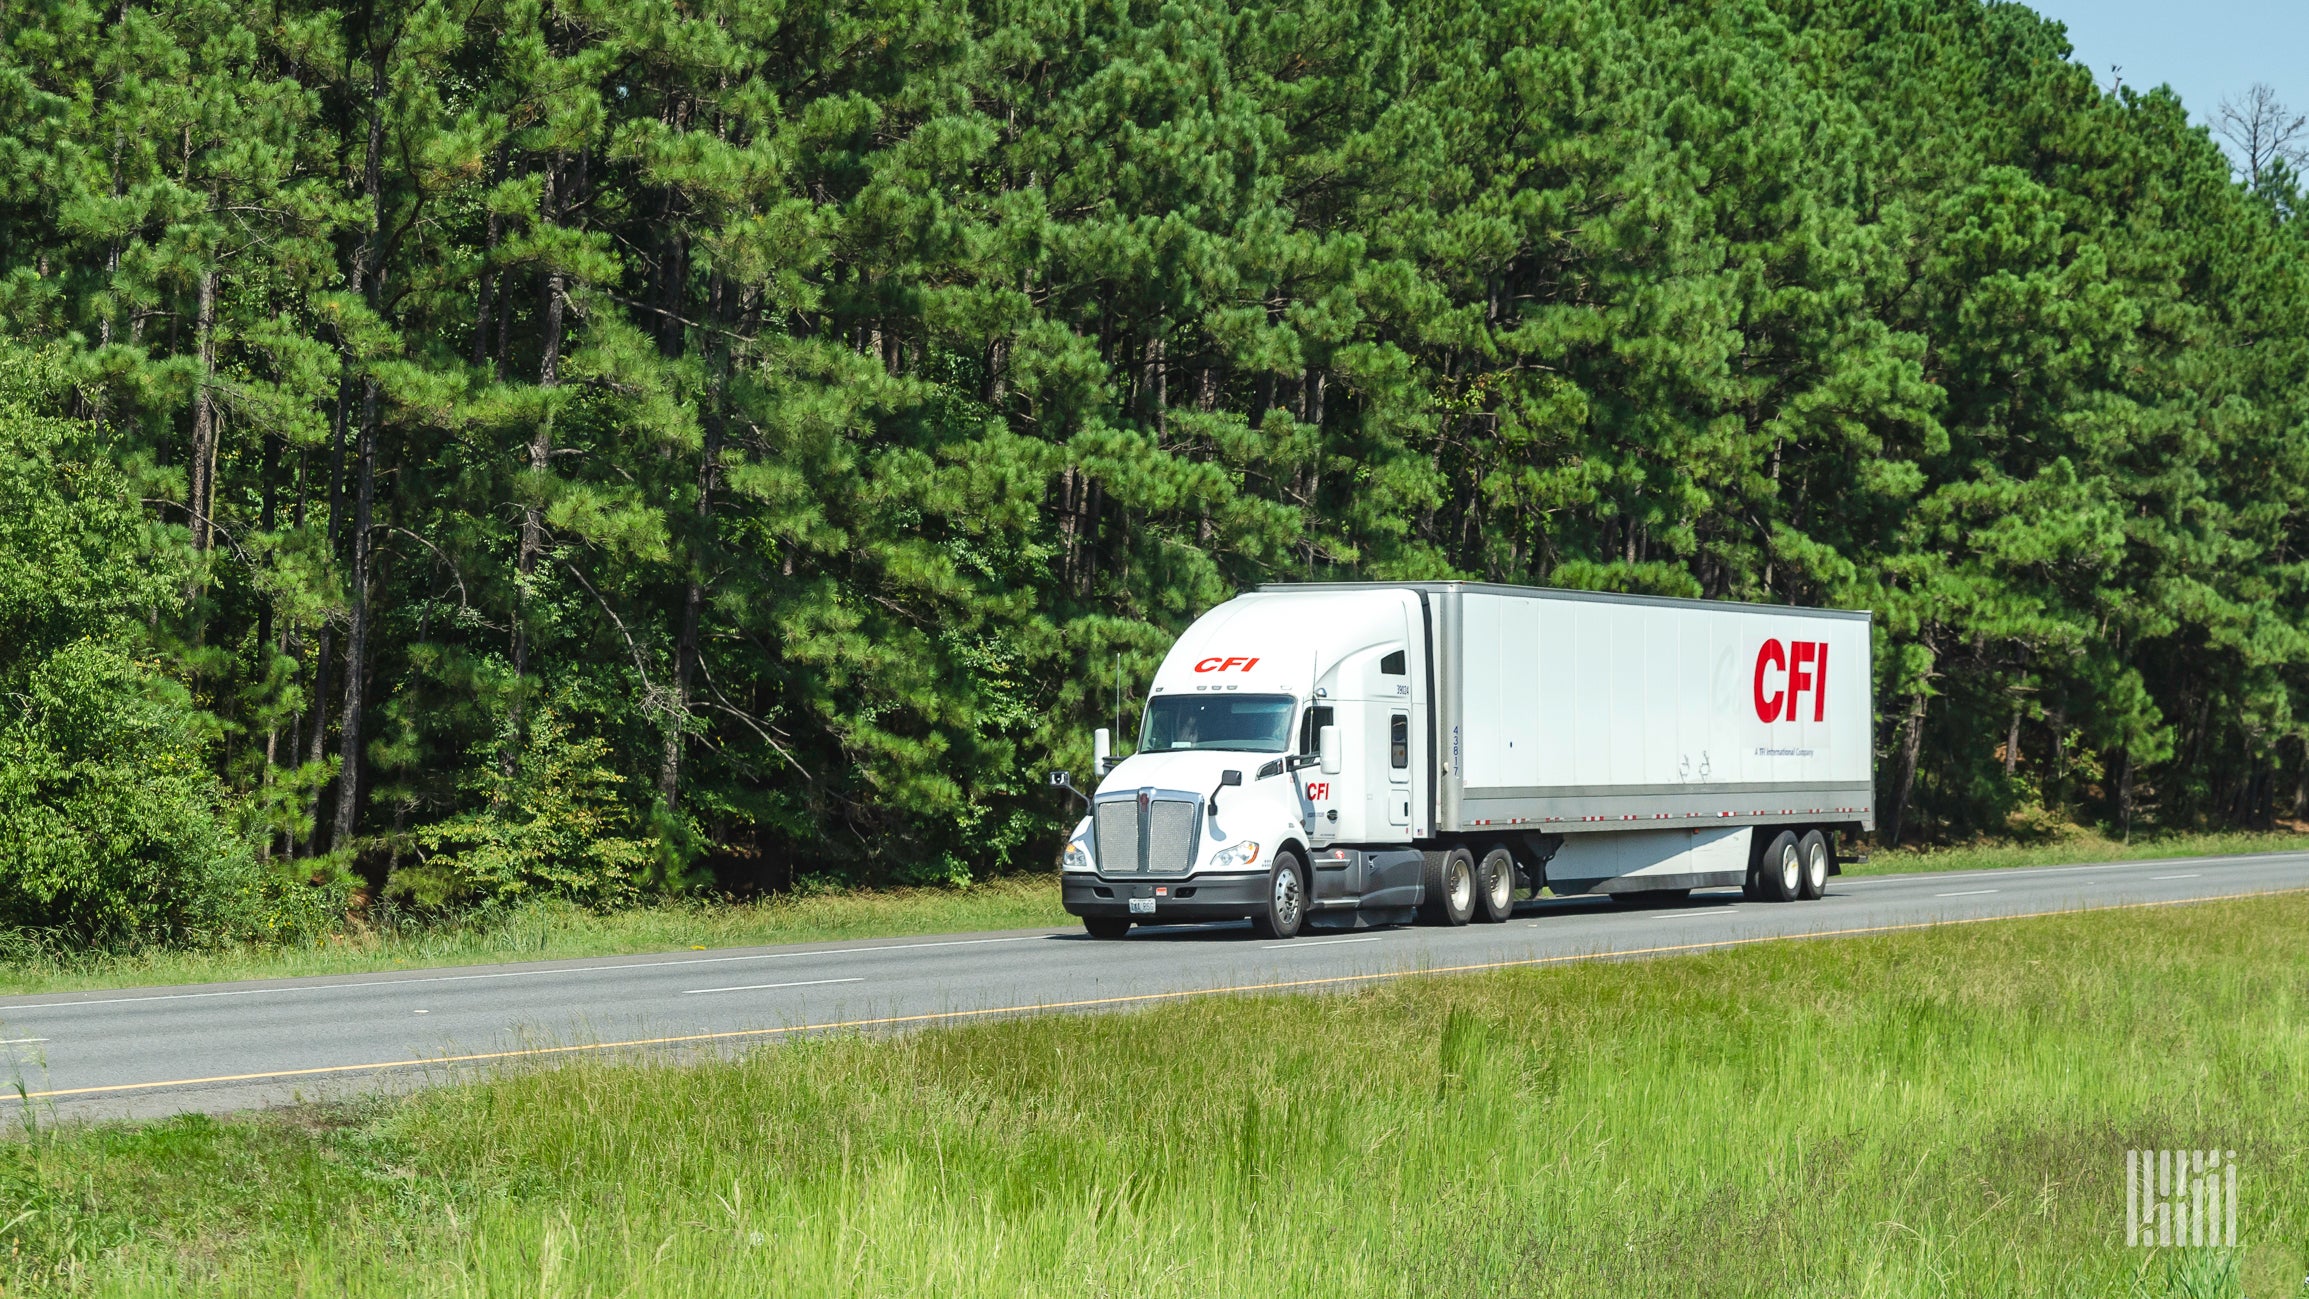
(1235, 664)
(1803, 666)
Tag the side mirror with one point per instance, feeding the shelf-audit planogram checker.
(1062, 780)
(1327, 744)
(1228, 779)
(1102, 751)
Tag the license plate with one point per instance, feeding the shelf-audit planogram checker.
(1142, 906)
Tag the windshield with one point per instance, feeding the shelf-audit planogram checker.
(1244, 723)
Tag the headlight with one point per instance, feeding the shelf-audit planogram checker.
(1236, 857)
(1077, 856)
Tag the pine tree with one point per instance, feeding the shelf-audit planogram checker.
(796, 415)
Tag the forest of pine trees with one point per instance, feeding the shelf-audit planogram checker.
(454, 452)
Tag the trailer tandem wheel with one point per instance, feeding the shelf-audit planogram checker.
(1813, 848)
(1780, 872)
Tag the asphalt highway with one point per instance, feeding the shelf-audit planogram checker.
(215, 1047)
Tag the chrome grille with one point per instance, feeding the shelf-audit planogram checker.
(1147, 832)
(1170, 836)
(1117, 831)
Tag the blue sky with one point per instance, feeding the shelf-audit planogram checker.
(2204, 49)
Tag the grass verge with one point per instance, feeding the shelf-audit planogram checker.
(1943, 1112)
(545, 931)
(2078, 847)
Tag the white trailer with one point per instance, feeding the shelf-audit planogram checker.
(1347, 754)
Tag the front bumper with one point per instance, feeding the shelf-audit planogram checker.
(1195, 898)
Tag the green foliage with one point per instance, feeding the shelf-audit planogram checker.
(815, 400)
(77, 560)
(554, 824)
(114, 829)
(110, 829)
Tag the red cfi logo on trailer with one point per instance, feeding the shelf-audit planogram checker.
(1802, 667)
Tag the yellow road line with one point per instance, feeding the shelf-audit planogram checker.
(1281, 985)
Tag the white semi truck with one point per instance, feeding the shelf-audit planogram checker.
(1343, 755)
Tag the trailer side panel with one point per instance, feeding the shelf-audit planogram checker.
(1564, 712)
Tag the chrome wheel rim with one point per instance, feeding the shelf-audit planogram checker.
(1816, 868)
(1503, 887)
(1462, 884)
(1791, 868)
(1287, 897)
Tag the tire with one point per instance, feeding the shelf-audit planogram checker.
(1286, 910)
(1448, 897)
(1106, 926)
(1649, 898)
(1495, 886)
(1813, 849)
(1780, 871)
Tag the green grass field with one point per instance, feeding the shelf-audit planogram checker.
(548, 931)
(2081, 846)
(1940, 1112)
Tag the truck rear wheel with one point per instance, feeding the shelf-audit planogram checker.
(1780, 872)
(1813, 848)
(1106, 926)
(1286, 908)
(1495, 886)
(1448, 897)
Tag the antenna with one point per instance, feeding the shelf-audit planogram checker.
(1118, 693)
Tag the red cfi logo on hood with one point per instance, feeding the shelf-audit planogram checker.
(1236, 663)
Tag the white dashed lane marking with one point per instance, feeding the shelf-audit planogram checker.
(765, 987)
(1323, 942)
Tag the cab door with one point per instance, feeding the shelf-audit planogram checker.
(1318, 792)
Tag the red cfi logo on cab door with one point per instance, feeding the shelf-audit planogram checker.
(1788, 672)
(1234, 664)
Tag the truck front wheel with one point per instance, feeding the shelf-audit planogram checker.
(1449, 895)
(1106, 926)
(1286, 908)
